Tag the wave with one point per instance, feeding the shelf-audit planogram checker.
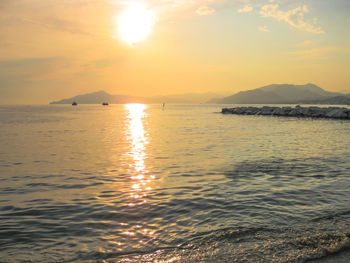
(282, 245)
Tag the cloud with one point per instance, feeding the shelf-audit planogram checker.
(305, 44)
(264, 29)
(16, 66)
(36, 68)
(245, 9)
(313, 53)
(294, 17)
(60, 24)
(205, 10)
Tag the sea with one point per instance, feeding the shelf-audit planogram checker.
(184, 183)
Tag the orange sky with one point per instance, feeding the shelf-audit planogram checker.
(59, 48)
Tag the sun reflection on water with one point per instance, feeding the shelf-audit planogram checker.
(137, 138)
(140, 178)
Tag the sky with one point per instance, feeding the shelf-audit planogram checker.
(54, 49)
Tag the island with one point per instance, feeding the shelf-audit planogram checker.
(297, 111)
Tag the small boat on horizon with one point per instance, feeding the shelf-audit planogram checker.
(74, 103)
(105, 103)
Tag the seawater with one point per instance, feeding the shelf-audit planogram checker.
(135, 183)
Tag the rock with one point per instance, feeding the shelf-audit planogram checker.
(285, 110)
(297, 111)
(304, 112)
(277, 111)
(227, 111)
(292, 113)
(338, 113)
(252, 110)
(266, 110)
(241, 110)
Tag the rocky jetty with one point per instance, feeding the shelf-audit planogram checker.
(298, 111)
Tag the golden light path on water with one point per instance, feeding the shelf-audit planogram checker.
(137, 138)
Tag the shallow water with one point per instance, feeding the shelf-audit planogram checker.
(134, 183)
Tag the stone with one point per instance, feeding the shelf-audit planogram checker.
(339, 113)
(297, 111)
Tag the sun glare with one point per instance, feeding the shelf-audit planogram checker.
(135, 23)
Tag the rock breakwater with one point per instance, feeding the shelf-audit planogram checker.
(298, 111)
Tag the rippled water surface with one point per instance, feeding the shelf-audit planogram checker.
(134, 183)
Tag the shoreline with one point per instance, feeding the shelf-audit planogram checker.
(297, 111)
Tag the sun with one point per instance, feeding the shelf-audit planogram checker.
(135, 23)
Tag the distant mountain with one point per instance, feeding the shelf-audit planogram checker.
(272, 94)
(337, 100)
(100, 97)
(279, 94)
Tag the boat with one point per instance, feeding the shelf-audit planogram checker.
(105, 104)
(74, 103)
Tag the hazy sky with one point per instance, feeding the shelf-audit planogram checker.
(51, 49)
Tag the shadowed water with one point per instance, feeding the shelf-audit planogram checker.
(134, 183)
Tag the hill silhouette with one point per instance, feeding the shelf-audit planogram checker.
(282, 94)
(271, 94)
(100, 97)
